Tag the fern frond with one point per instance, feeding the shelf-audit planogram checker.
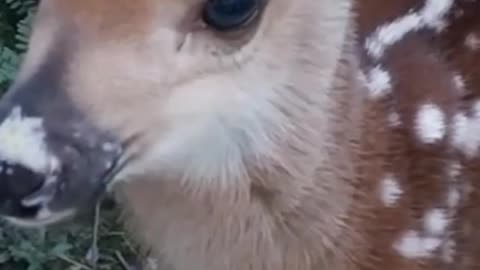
(15, 21)
(22, 7)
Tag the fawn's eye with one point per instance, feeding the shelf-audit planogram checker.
(225, 15)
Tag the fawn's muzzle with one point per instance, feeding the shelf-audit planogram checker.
(46, 174)
(53, 161)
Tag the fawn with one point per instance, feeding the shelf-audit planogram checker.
(255, 134)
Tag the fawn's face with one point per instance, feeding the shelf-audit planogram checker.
(142, 86)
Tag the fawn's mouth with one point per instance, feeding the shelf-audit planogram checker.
(59, 197)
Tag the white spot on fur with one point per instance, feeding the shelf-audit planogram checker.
(436, 222)
(394, 119)
(454, 171)
(23, 142)
(431, 16)
(472, 41)
(430, 123)
(390, 191)
(465, 132)
(412, 245)
(379, 82)
(389, 34)
(453, 197)
(459, 83)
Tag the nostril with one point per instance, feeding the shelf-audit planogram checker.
(18, 181)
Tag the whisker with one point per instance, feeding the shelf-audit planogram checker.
(118, 166)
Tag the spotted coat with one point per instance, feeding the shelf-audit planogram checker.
(420, 64)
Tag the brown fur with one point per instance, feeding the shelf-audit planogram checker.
(263, 149)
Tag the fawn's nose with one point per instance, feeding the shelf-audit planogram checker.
(47, 171)
(17, 182)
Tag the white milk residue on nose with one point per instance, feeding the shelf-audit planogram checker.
(22, 142)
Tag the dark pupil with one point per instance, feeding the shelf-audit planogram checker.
(227, 14)
(233, 7)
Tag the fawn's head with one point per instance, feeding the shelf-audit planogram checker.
(116, 89)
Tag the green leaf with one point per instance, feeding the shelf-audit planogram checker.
(61, 248)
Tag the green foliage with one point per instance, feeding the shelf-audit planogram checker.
(15, 18)
(69, 247)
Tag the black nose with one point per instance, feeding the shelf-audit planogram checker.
(16, 183)
(75, 184)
